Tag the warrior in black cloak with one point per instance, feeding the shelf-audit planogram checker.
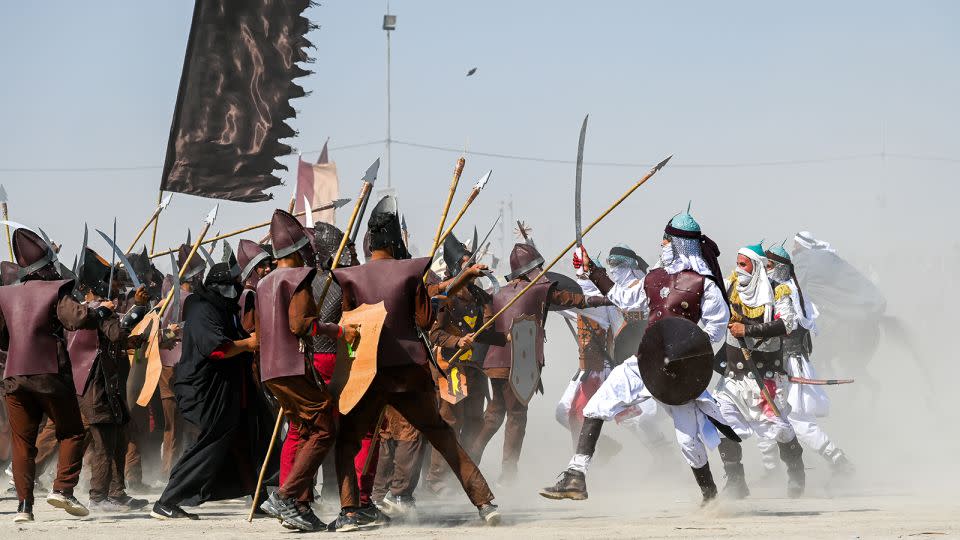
(214, 392)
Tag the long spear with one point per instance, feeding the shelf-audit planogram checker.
(6, 216)
(570, 246)
(145, 395)
(368, 180)
(153, 219)
(156, 223)
(333, 204)
(473, 195)
(446, 207)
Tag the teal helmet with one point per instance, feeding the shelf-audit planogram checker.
(685, 222)
(758, 249)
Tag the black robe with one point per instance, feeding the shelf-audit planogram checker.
(218, 397)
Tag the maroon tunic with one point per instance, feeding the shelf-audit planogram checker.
(82, 346)
(280, 351)
(533, 303)
(31, 309)
(398, 284)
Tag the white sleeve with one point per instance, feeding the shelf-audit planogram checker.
(714, 312)
(629, 296)
(786, 311)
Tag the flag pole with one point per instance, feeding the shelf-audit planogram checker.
(156, 221)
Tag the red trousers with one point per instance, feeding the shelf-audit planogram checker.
(324, 363)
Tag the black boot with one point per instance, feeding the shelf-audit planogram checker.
(840, 466)
(731, 453)
(792, 455)
(571, 485)
(705, 481)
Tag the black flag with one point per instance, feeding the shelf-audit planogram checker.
(234, 98)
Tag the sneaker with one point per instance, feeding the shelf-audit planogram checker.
(345, 522)
(397, 506)
(107, 506)
(171, 511)
(67, 503)
(24, 512)
(571, 485)
(490, 514)
(293, 517)
(369, 516)
(269, 509)
(129, 502)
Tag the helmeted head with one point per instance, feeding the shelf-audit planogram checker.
(524, 258)
(33, 255)
(455, 253)
(254, 262)
(287, 237)
(384, 228)
(194, 270)
(681, 238)
(224, 280)
(149, 275)
(621, 255)
(779, 264)
(94, 274)
(326, 241)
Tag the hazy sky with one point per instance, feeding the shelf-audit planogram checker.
(92, 84)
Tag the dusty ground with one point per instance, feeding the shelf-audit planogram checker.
(646, 514)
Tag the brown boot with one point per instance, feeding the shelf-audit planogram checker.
(571, 485)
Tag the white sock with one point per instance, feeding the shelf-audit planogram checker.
(580, 463)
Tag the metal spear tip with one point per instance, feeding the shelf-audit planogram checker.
(166, 201)
(482, 181)
(370, 176)
(212, 216)
(340, 203)
(308, 216)
(660, 165)
(3, 194)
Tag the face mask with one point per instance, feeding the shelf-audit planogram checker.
(618, 273)
(743, 277)
(666, 254)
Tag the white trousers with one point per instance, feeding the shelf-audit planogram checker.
(623, 397)
(741, 405)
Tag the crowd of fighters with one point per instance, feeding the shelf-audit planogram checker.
(259, 332)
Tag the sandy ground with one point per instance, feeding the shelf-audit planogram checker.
(647, 513)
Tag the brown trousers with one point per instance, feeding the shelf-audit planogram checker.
(106, 460)
(417, 402)
(398, 472)
(173, 424)
(466, 419)
(311, 409)
(503, 404)
(137, 430)
(26, 410)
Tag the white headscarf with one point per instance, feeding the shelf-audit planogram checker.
(683, 254)
(757, 292)
(807, 240)
(781, 273)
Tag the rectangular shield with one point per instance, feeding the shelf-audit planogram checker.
(524, 367)
(352, 375)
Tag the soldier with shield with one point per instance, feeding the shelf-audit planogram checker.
(514, 371)
(673, 363)
(399, 376)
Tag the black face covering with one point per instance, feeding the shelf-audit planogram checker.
(221, 287)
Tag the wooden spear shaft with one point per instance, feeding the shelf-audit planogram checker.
(156, 222)
(446, 207)
(153, 219)
(570, 246)
(364, 193)
(463, 210)
(239, 231)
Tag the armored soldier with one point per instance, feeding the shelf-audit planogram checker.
(37, 378)
(100, 368)
(683, 285)
(402, 378)
(762, 314)
(525, 264)
(807, 402)
(286, 317)
(457, 320)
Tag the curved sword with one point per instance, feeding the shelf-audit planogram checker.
(127, 267)
(577, 219)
